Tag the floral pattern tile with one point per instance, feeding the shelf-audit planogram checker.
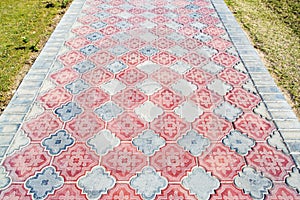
(146, 100)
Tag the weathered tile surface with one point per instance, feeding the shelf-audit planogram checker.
(149, 100)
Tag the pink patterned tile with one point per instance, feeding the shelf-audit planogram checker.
(191, 44)
(109, 30)
(167, 99)
(133, 58)
(255, 126)
(173, 162)
(127, 125)
(160, 19)
(64, 76)
(195, 59)
(136, 19)
(165, 76)
(87, 19)
(161, 30)
(121, 191)
(225, 59)
(67, 192)
(219, 44)
(214, 31)
(188, 31)
(198, 77)
(135, 43)
(97, 76)
(212, 126)
(136, 10)
(221, 162)
(114, 10)
(105, 43)
(242, 98)
(92, 98)
(183, 19)
(26, 162)
(131, 76)
(206, 99)
(101, 58)
(54, 98)
(169, 126)
(15, 192)
(71, 58)
(42, 126)
(112, 20)
(164, 58)
(78, 42)
(228, 191)
(282, 192)
(91, 11)
(124, 162)
(75, 162)
(271, 162)
(83, 30)
(116, 2)
(129, 98)
(84, 126)
(159, 10)
(208, 19)
(206, 11)
(163, 43)
(233, 77)
(175, 191)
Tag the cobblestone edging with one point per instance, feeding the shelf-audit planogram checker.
(14, 115)
(281, 112)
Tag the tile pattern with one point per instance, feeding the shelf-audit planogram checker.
(149, 101)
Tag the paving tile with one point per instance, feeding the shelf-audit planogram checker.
(149, 100)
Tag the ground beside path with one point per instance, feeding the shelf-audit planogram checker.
(149, 100)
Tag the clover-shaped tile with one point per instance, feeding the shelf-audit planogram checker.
(96, 182)
(68, 111)
(108, 111)
(148, 142)
(194, 142)
(44, 183)
(201, 183)
(148, 183)
(58, 142)
(239, 142)
(103, 142)
(253, 183)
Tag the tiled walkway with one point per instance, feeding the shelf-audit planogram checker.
(149, 99)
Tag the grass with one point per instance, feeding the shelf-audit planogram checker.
(273, 26)
(25, 27)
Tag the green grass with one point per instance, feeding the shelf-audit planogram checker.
(25, 26)
(273, 26)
